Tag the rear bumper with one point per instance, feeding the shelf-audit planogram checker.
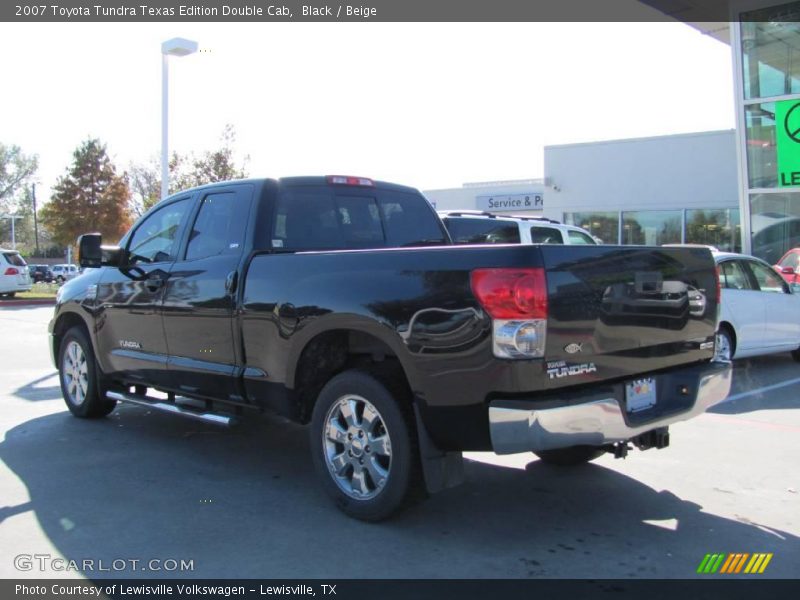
(598, 417)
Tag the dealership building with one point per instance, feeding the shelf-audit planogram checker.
(738, 190)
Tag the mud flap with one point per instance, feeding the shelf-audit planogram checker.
(442, 470)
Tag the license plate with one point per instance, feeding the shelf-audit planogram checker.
(640, 394)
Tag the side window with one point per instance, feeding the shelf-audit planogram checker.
(220, 225)
(156, 238)
(482, 231)
(578, 237)
(791, 260)
(546, 235)
(733, 276)
(768, 280)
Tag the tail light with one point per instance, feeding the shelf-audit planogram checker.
(516, 299)
(12, 271)
(349, 180)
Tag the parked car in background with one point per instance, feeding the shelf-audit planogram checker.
(14, 276)
(477, 227)
(759, 310)
(62, 273)
(788, 267)
(40, 273)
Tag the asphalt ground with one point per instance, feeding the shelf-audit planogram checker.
(140, 486)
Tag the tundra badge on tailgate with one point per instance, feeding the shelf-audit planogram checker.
(559, 368)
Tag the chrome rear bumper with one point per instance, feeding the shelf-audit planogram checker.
(531, 425)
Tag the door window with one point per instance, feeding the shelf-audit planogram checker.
(156, 238)
(482, 231)
(734, 276)
(768, 280)
(220, 225)
(790, 260)
(578, 237)
(546, 235)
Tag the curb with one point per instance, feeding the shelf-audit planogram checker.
(28, 302)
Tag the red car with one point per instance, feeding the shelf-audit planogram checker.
(789, 266)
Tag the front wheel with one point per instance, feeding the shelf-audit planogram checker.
(570, 457)
(77, 373)
(363, 446)
(723, 347)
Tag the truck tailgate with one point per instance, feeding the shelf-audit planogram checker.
(616, 312)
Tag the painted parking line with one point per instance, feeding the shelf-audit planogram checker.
(762, 390)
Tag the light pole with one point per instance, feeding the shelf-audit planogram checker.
(173, 47)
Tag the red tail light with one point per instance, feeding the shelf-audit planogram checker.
(511, 293)
(348, 180)
(12, 271)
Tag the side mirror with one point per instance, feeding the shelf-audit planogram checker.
(787, 270)
(92, 254)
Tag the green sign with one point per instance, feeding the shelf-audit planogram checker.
(787, 138)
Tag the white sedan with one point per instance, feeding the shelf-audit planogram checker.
(760, 312)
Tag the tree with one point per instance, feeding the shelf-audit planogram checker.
(90, 197)
(16, 170)
(185, 171)
(145, 182)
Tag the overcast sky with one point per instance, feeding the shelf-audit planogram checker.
(428, 105)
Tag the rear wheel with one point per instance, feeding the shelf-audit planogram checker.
(363, 446)
(9, 295)
(78, 376)
(570, 457)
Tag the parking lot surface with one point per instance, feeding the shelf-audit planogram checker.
(144, 489)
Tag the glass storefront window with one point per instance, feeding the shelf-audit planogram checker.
(604, 225)
(771, 51)
(775, 224)
(762, 163)
(651, 227)
(718, 227)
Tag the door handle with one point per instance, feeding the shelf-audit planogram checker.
(231, 282)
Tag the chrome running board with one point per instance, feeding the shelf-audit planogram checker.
(173, 408)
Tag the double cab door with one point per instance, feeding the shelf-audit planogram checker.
(169, 311)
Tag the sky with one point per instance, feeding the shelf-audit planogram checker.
(431, 105)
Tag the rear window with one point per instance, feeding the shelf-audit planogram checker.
(319, 219)
(13, 258)
(482, 231)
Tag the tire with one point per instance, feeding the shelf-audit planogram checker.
(78, 375)
(9, 295)
(369, 466)
(570, 457)
(723, 345)
(796, 354)
(59, 280)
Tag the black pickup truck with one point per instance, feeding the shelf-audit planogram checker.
(340, 302)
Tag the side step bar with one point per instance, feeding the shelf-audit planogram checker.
(175, 409)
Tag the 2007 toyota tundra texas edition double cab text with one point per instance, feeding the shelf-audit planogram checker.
(340, 302)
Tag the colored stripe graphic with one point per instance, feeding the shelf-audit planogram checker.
(734, 563)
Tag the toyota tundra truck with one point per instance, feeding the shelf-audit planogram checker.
(341, 303)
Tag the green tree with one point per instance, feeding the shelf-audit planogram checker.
(185, 171)
(90, 197)
(17, 169)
